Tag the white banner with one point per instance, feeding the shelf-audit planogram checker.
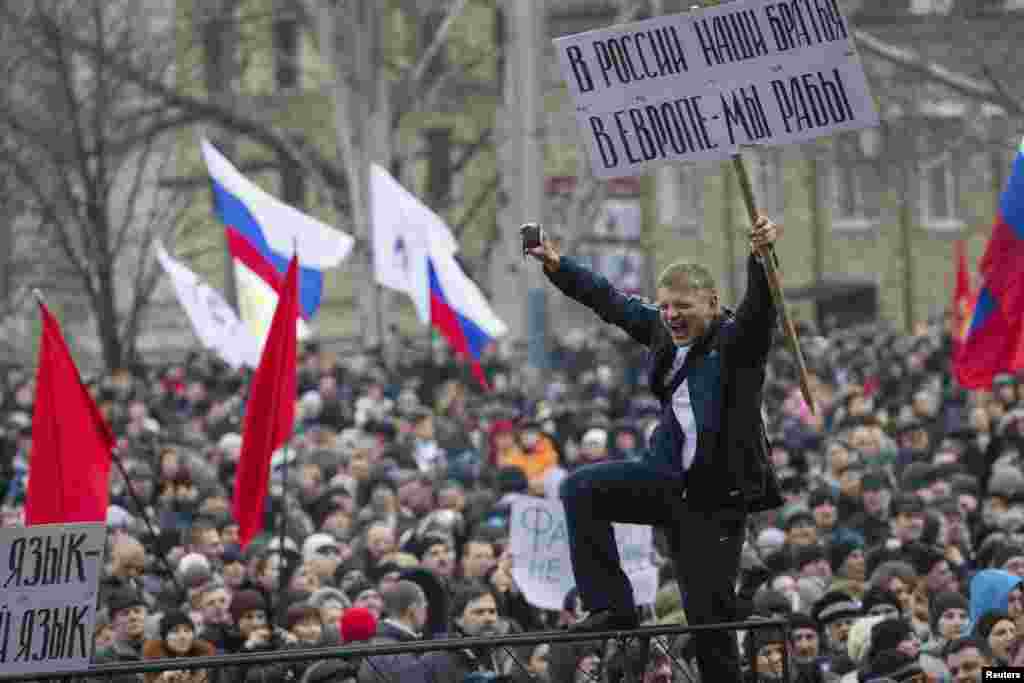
(213, 320)
(540, 554)
(697, 85)
(49, 587)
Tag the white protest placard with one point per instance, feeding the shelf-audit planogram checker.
(49, 577)
(540, 554)
(696, 86)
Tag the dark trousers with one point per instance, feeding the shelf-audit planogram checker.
(705, 549)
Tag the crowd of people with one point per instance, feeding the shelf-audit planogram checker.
(897, 556)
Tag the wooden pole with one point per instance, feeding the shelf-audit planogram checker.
(770, 262)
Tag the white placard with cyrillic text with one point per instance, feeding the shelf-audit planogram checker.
(541, 565)
(49, 578)
(696, 86)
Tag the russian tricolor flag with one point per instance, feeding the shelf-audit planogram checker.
(1002, 266)
(460, 313)
(995, 339)
(414, 253)
(263, 233)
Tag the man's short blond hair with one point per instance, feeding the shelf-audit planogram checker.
(683, 275)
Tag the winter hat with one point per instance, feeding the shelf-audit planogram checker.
(835, 605)
(1005, 554)
(917, 475)
(322, 596)
(808, 554)
(121, 599)
(888, 634)
(944, 601)
(357, 588)
(801, 620)
(874, 480)
(876, 595)
(172, 619)
(246, 601)
(893, 664)
(357, 624)
(768, 603)
(988, 621)
(778, 562)
(299, 612)
(840, 550)
(1005, 482)
(821, 496)
(906, 502)
(923, 557)
(794, 515)
(760, 637)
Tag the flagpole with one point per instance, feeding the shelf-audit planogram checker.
(116, 459)
(283, 516)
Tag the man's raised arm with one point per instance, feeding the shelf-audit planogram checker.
(633, 315)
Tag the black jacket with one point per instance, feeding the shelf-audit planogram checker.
(732, 469)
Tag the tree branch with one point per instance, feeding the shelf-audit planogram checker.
(436, 43)
(958, 82)
(478, 203)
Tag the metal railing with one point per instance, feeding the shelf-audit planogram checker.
(651, 635)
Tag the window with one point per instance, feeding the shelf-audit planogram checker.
(286, 52)
(938, 190)
(854, 181)
(679, 198)
(931, 6)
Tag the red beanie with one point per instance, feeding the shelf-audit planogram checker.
(357, 624)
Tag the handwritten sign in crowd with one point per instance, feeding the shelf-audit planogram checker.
(540, 554)
(49, 576)
(697, 85)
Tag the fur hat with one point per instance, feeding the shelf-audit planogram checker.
(808, 554)
(172, 619)
(888, 634)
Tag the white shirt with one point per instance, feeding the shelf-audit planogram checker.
(683, 409)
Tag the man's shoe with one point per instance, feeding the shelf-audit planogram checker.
(607, 620)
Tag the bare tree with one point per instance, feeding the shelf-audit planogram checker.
(84, 149)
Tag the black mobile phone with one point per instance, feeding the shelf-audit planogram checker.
(532, 235)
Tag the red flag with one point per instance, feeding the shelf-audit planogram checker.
(963, 299)
(994, 344)
(71, 442)
(270, 411)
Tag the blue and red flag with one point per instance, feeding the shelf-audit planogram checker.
(995, 338)
(459, 312)
(1002, 265)
(263, 233)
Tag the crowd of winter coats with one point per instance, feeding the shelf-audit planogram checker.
(897, 556)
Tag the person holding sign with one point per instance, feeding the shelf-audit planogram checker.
(707, 467)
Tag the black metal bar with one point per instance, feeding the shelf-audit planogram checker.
(116, 458)
(418, 647)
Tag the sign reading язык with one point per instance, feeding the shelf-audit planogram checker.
(696, 86)
(49, 576)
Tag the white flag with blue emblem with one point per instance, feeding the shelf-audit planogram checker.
(405, 230)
